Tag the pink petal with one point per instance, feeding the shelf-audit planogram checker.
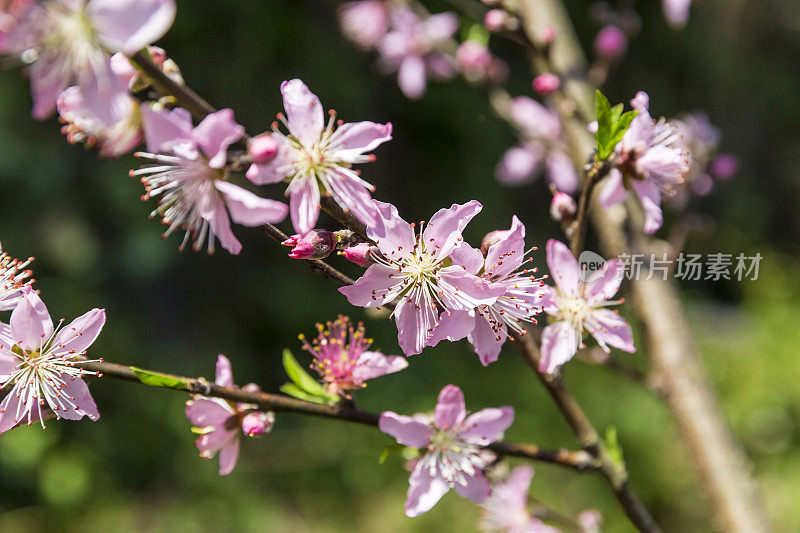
(486, 426)
(350, 192)
(535, 119)
(411, 77)
(7, 364)
(48, 79)
(520, 165)
(392, 234)
(220, 225)
(650, 196)
(561, 172)
(216, 440)
(78, 335)
(130, 25)
(304, 204)
(559, 344)
(374, 364)
(440, 26)
(303, 112)
(468, 257)
(486, 341)
(164, 126)
(372, 288)
(79, 394)
(564, 268)
(215, 134)
(224, 372)
(607, 327)
(31, 324)
(8, 409)
(460, 290)
(443, 231)
(613, 190)
(507, 254)
(424, 491)
(248, 209)
(414, 326)
(453, 326)
(450, 409)
(519, 482)
(228, 455)
(440, 66)
(604, 284)
(477, 488)
(205, 412)
(357, 138)
(277, 169)
(405, 429)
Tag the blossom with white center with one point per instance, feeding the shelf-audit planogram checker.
(487, 326)
(650, 160)
(345, 363)
(413, 267)
(188, 171)
(219, 421)
(66, 40)
(453, 443)
(40, 361)
(12, 280)
(315, 158)
(542, 144)
(507, 508)
(575, 305)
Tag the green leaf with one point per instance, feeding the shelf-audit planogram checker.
(614, 449)
(154, 379)
(392, 449)
(300, 377)
(290, 389)
(478, 33)
(612, 124)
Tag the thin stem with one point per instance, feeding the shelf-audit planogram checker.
(577, 460)
(577, 230)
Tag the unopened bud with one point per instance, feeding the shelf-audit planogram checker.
(547, 35)
(563, 207)
(546, 83)
(262, 148)
(316, 244)
(490, 239)
(610, 43)
(496, 19)
(358, 254)
(473, 60)
(258, 423)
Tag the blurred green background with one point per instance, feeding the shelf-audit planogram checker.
(136, 469)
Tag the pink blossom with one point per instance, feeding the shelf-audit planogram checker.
(507, 508)
(453, 442)
(316, 244)
(563, 207)
(576, 304)
(473, 59)
(187, 169)
(364, 22)
(358, 254)
(342, 359)
(676, 12)
(13, 279)
(611, 43)
(67, 40)
(40, 361)
(106, 116)
(315, 159)
(412, 49)
(412, 268)
(496, 19)
(649, 160)
(219, 421)
(487, 326)
(542, 145)
(263, 148)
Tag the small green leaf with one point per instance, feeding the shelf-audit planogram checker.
(300, 377)
(614, 449)
(154, 379)
(478, 33)
(392, 449)
(290, 389)
(612, 124)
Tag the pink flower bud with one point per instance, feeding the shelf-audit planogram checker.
(610, 43)
(496, 19)
(258, 423)
(562, 207)
(547, 35)
(358, 254)
(473, 60)
(316, 244)
(491, 238)
(546, 83)
(724, 166)
(263, 148)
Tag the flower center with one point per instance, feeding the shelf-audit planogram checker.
(574, 310)
(455, 459)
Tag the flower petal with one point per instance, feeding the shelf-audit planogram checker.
(224, 372)
(534, 118)
(477, 488)
(450, 409)
(351, 193)
(78, 335)
(373, 288)
(411, 76)
(215, 134)
(374, 364)
(424, 491)
(604, 284)
(561, 171)
(8, 411)
(31, 324)
(392, 234)
(162, 126)
(356, 138)
(487, 426)
(486, 341)
(519, 165)
(304, 204)
(608, 328)
(468, 257)
(78, 392)
(414, 325)
(303, 112)
(506, 255)
(460, 290)
(559, 344)
(207, 412)
(130, 25)
(443, 232)
(248, 209)
(650, 196)
(217, 217)
(613, 191)
(453, 326)
(405, 429)
(277, 169)
(228, 455)
(564, 268)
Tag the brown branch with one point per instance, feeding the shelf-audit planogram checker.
(577, 460)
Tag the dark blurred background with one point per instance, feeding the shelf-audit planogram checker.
(136, 469)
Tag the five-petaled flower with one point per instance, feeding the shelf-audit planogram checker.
(188, 171)
(507, 508)
(487, 325)
(67, 40)
(345, 364)
(452, 443)
(219, 421)
(649, 160)
(42, 363)
(576, 304)
(414, 267)
(316, 158)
